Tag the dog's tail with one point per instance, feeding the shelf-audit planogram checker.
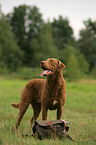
(15, 105)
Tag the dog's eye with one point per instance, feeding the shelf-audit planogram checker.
(51, 60)
(58, 61)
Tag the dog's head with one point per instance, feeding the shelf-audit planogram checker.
(51, 66)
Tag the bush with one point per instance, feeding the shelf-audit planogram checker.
(73, 70)
(76, 65)
(93, 73)
(28, 72)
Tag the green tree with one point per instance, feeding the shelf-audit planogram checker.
(87, 42)
(62, 32)
(73, 69)
(10, 53)
(35, 24)
(26, 23)
(75, 62)
(93, 73)
(44, 47)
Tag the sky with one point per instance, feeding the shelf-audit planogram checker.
(76, 10)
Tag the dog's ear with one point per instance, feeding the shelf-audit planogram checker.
(61, 66)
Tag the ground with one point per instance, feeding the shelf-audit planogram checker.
(79, 110)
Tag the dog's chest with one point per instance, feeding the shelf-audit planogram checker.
(53, 91)
(53, 104)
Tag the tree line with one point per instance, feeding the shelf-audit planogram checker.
(26, 39)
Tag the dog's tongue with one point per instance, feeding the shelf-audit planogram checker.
(45, 72)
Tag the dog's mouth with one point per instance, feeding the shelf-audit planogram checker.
(46, 72)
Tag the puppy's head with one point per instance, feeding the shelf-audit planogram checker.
(51, 66)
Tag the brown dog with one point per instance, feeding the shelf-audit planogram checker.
(47, 93)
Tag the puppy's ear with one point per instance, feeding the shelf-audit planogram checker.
(61, 66)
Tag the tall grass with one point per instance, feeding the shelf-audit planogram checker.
(79, 109)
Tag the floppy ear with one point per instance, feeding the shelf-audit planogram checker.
(61, 66)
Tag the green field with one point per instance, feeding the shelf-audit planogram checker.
(79, 110)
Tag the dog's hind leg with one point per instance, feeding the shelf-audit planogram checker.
(36, 111)
(22, 109)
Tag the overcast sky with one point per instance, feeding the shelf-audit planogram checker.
(76, 10)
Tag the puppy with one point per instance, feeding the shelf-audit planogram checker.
(44, 94)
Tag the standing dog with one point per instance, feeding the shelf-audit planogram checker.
(44, 94)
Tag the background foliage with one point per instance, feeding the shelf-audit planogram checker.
(26, 39)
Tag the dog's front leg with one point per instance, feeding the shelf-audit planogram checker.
(44, 114)
(59, 113)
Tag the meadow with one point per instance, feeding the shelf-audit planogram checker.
(79, 110)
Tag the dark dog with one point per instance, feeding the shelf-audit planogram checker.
(44, 94)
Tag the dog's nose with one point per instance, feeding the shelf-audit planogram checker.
(42, 62)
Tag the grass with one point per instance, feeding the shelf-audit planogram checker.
(79, 109)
